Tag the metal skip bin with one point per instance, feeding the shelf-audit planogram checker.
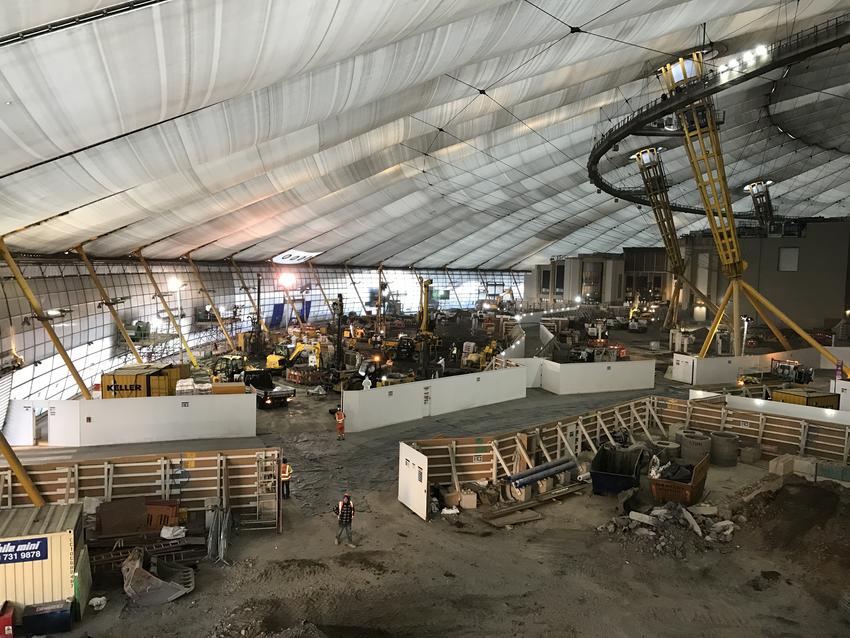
(37, 554)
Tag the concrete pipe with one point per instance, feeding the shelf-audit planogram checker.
(724, 449)
(694, 447)
(677, 437)
(667, 451)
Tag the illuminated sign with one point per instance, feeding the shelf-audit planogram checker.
(294, 257)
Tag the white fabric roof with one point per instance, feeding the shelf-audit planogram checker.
(253, 127)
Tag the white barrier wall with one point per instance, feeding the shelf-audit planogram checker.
(20, 421)
(140, 420)
(790, 410)
(412, 486)
(720, 370)
(533, 371)
(841, 387)
(604, 376)
(377, 407)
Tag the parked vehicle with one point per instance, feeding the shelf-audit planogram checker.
(269, 394)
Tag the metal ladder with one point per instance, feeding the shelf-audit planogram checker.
(267, 492)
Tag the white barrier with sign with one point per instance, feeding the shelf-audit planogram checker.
(73, 423)
(377, 407)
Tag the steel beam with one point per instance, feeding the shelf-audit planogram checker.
(107, 301)
(716, 323)
(213, 307)
(38, 311)
(753, 293)
(321, 290)
(20, 472)
(174, 323)
(357, 292)
(250, 297)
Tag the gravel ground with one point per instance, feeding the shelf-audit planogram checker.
(782, 575)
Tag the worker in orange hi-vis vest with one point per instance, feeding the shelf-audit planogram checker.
(285, 476)
(340, 424)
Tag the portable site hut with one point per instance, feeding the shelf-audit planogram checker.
(43, 557)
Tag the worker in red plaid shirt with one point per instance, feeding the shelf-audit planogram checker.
(345, 514)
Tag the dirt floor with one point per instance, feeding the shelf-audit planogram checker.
(782, 574)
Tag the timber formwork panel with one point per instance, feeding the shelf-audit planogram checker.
(190, 477)
(474, 458)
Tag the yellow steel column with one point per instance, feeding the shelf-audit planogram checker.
(291, 303)
(38, 311)
(672, 317)
(753, 293)
(712, 307)
(250, 298)
(213, 307)
(107, 301)
(716, 322)
(736, 317)
(454, 290)
(357, 292)
(20, 471)
(165, 307)
(768, 321)
(321, 290)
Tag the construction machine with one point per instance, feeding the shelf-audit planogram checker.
(230, 368)
(286, 355)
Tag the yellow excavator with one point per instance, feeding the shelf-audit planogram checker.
(286, 355)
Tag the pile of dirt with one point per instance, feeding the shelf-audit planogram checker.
(256, 618)
(807, 520)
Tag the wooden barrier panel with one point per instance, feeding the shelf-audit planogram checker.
(496, 456)
(245, 480)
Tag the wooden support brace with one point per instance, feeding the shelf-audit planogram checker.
(586, 435)
(522, 451)
(541, 445)
(641, 422)
(498, 457)
(688, 414)
(601, 423)
(455, 481)
(804, 434)
(762, 420)
(651, 410)
(563, 439)
(723, 414)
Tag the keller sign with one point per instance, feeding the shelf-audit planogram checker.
(120, 387)
(23, 550)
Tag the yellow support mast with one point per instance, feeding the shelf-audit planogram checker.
(702, 144)
(38, 312)
(247, 291)
(107, 301)
(655, 184)
(174, 323)
(213, 307)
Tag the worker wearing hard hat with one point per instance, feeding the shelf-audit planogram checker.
(285, 476)
(340, 423)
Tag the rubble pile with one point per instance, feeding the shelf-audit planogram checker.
(675, 530)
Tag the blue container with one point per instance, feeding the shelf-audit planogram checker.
(48, 618)
(614, 470)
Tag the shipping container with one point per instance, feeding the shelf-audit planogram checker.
(807, 396)
(143, 380)
(39, 553)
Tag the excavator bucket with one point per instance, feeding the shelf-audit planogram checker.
(146, 589)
